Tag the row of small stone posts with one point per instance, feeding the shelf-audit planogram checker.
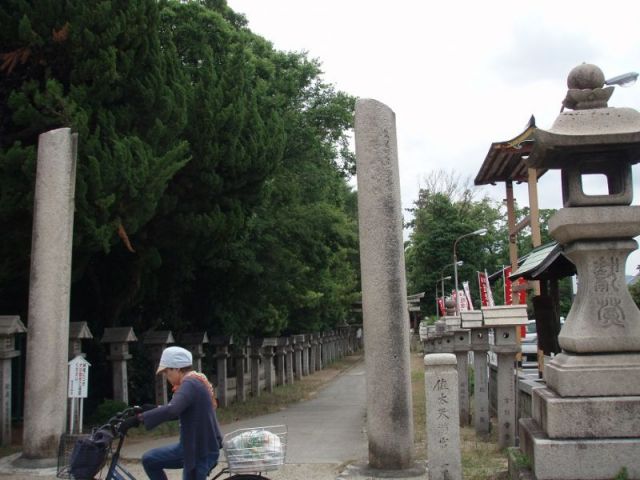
(458, 335)
(265, 361)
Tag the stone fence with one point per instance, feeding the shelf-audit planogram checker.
(242, 367)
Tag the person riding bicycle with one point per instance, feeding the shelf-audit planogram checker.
(194, 403)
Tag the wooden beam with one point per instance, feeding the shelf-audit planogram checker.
(521, 225)
(535, 216)
(513, 245)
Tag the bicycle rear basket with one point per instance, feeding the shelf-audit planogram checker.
(65, 448)
(258, 449)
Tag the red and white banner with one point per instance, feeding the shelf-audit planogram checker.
(492, 303)
(467, 295)
(522, 299)
(443, 310)
(508, 294)
(508, 288)
(486, 295)
(464, 304)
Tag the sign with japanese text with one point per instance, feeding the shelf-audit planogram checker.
(78, 377)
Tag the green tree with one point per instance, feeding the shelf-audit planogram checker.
(438, 221)
(98, 68)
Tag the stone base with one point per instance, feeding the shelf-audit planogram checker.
(364, 472)
(594, 375)
(586, 417)
(600, 459)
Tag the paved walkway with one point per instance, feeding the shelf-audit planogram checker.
(324, 434)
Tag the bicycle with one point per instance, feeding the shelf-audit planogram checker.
(249, 452)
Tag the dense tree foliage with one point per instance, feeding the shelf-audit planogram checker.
(445, 210)
(212, 169)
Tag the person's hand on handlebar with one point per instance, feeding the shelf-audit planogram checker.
(145, 407)
(128, 423)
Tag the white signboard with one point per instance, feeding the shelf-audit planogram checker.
(78, 377)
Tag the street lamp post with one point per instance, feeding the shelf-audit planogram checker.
(481, 231)
(442, 279)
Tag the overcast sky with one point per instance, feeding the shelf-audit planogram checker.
(459, 75)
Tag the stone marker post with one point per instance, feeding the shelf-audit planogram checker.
(384, 292)
(281, 353)
(239, 360)
(10, 326)
(268, 344)
(49, 289)
(221, 344)
(194, 342)
(118, 339)
(586, 420)
(320, 340)
(289, 362)
(443, 429)
(313, 339)
(479, 346)
(505, 320)
(298, 347)
(256, 358)
(157, 341)
(461, 346)
(305, 355)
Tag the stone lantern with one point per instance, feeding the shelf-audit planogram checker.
(10, 326)
(586, 420)
(118, 339)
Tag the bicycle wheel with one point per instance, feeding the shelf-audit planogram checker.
(247, 476)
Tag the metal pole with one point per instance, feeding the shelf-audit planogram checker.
(455, 276)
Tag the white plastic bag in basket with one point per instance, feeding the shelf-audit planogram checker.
(259, 446)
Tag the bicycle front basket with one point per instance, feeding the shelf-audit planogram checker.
(81, 457)
(65, 447)
(259, 449)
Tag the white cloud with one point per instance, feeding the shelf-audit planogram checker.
(459, 75)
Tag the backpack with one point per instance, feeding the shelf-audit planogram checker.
(90, 454)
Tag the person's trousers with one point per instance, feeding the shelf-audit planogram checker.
(156, 460)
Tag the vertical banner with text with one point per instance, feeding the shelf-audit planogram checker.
(467, 294)
(508, 294)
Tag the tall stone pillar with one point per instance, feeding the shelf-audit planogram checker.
(10, 326)
(505, 320)
(384, 292)
(585, 421)
(221, 344)
(50, 284)
(443, 429)
(156, 341)
(480, 347)
(118, 339)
